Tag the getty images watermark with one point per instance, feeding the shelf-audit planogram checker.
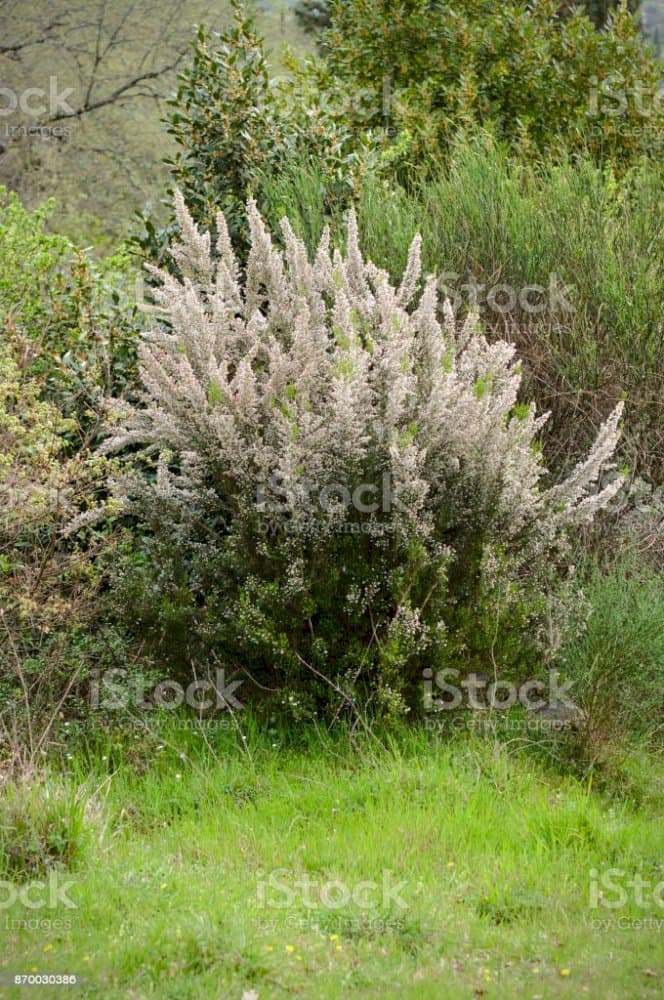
(615, 889)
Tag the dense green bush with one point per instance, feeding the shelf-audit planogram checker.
(71, 318)
(617, 664)
(596, 247)
(65, 342)
(544, 78)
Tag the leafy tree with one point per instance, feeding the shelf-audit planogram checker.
(235, 127)
(541, 77)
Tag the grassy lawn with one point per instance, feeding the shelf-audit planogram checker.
(420, 868)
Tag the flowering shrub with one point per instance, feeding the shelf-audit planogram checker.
(337, 484)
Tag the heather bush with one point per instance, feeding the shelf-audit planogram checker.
(337, 489)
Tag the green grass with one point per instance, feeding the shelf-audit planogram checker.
(617, 662)
(172, 895)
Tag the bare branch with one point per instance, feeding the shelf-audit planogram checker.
(124, 91)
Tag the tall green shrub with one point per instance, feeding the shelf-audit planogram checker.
(67, 339)
(235, 127)
(72, 318)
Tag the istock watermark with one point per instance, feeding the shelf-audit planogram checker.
(361, 108)
(36, 102)
(503, 298)
(308, 507)
(283, 889)
(614, 96)
(308, 497)
(615, 889)
(37, 896)
(481, 693)
(116, 689)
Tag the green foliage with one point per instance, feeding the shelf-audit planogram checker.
(393, 88)
(306, 194)
(225, 123)
(45, 581)
(68, 338)
(235, 127)
(544, 80)
(70, 320)
(618, 662)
